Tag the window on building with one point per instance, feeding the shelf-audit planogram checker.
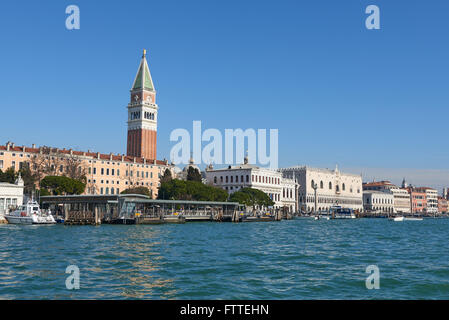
(215, 179)
(330, 185)
(247, 178)
(112, 171)
(95, 170)
(102, 171)
(1, 164)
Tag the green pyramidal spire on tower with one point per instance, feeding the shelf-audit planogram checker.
(143, 78)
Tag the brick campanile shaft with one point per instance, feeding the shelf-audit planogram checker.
(142, 115)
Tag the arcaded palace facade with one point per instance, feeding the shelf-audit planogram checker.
(106, 173)
(332, 188)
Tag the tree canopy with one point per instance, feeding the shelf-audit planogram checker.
(8, 176)
(138, 190)
(166, 176)
(59, 185)
(190, 190)
(251, 197)
(193, 174)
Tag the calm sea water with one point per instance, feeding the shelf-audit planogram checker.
(297, 259)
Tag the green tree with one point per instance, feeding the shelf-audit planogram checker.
(29, 179)
(251, 197)
(241, 197)
(193, 174)
(59, 185)
(138, 190)
(166, 176)
(8, 176)
(44, 192)
(190, 190)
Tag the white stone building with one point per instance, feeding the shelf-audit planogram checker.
(402, 202)
(333, 188)
(11, 195)
(378, 201)
(281, 190)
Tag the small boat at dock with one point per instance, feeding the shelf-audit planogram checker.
(337, 212)
(29, 213)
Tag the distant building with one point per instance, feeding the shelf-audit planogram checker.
(401, 196)
(378, 201)
(442, 205)
(11, 195)
(142, 115)
(105, 173)
(280, 189)
(333, 188)
(431, 199)
(418, 199)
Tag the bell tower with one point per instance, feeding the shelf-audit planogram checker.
(142, 115)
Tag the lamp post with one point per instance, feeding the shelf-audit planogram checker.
(315, 186)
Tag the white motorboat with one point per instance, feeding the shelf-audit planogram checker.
(29, 213)
(401, 218)
(413, 219)
(338, 212)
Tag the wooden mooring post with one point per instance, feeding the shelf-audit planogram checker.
(235, 216)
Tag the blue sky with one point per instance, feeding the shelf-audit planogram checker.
(337, 92)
